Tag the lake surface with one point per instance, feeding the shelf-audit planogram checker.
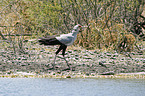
(71, 87)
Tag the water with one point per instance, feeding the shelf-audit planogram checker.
(71, 87)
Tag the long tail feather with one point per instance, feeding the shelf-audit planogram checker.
(49, 41)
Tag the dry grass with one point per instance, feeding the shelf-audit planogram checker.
(104, 32)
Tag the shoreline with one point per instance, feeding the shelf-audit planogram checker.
(138, 75)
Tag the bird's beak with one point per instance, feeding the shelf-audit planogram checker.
(82, 28)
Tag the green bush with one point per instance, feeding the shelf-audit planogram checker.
(110, 21)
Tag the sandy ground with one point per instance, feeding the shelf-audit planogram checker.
(38, 60)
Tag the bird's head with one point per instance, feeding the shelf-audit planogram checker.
(77, 28)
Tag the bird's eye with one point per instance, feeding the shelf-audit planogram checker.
(80, 26)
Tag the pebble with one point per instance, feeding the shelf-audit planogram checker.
(68, 76)
(81, 61)
(108, 73)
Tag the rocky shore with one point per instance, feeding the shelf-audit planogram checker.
(38, 60)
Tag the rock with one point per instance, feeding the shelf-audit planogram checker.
(96, 52)
(85, 57)
(107, 73)
(140, 53)
(115, 55)
(24, 58)
(68, 76)
(51, 68)
(19, 58)
(73, 68)
(103, 65)
(133, 53)
(143, 66)
(77, 58)
(69, 51)
(113, 58)
(108, 54)
(87, 74)
(23, 65)
(66, 69)
(143, 61)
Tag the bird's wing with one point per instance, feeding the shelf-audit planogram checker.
(48, 37)
(65, 39)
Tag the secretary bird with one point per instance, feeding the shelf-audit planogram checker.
(63, 40)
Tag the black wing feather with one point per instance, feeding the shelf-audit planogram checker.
(51, 40)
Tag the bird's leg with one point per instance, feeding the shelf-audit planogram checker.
(66, 62)
(59, 49)
(63, 53)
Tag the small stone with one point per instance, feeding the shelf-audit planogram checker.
(73, 69)
(59, 72)
(108, 73)
(51, 68)
(89, 58)
(140, 53)
(87, 74)
(133, 53)
(69, 51)
(83, 64)
(23, 65)
(68, 76)
(113, 58)
(108, 54)
(47, 52)
(115, 55)
(24, 58)
(66, 69)
(19, 58)
(96, 52)
(74, 50)
(103, 65)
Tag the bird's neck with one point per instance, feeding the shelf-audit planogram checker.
(74, 33)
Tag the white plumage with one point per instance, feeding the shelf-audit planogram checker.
(69, 38)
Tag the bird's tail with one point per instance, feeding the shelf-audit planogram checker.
(49, 41)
